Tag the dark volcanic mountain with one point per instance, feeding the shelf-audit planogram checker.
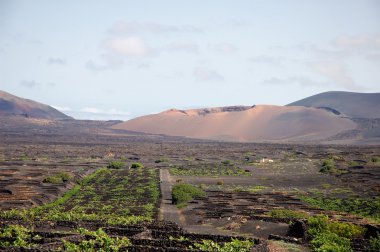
(11, 105)
(354, 105)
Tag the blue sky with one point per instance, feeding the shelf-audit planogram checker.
(122, 59)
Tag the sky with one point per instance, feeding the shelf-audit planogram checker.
(122, 59)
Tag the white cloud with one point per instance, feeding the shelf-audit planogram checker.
(299, 80)
(367, 45)
(111, 111)
(174, 75)
(93, 113)
(95, 66)
(335, 72)
(357, 41)
(183, 46)
(57, 61)
(35, 84)
(29, 83)
(117, 51)
(266, 59)
(325, 53)
(223, 48)
(373, 56)
(126, 41)
(204, 74)
(128, 46)
(128, 27)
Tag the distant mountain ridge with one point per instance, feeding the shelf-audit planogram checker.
(331, 117)
(11, 105)
(354, 105)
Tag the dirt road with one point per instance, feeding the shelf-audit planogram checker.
(168, 211)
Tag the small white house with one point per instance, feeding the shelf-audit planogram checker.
(266, 160)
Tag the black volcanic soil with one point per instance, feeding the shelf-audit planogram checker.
(30, 151)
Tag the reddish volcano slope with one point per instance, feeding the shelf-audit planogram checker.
(239, 123)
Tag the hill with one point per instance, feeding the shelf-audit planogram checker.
(354, 105)
(11, 105)
(245, 124)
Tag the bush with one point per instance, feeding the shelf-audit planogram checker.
(161, 160)
(180, 197)
(330, 242)
(97, 241)
(203, 186)
(318, 224)
(328, 166)
(374, 243)
(58, 178)
(368, 207)
(137, 165)
(220, 182)
(15, 235)
(182, 193)
(332, 236)
(375, 159)
(288, 214)
(116, 165)
(347, 230)
(232, 246)
(226, 162)
(53, 180)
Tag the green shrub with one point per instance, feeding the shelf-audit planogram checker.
(332, 235)
(368, 207)
(53, 180)
(58, 178)
(347, 230)
(256, 188)
(97, 241)
(328, 166)
(288, 214)
(15, 235)
(65, 176)
(182, 193)
(116, 165)
(234, 246)
(203, 186)
(374, 243)
(226, 162)
(318, 224)
(321, 223)
(337, 158)
(137, 165)
(220, 182)
(330, 242)
(375, 159)
(161, 160)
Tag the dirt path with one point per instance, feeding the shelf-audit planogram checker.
(168, 211)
